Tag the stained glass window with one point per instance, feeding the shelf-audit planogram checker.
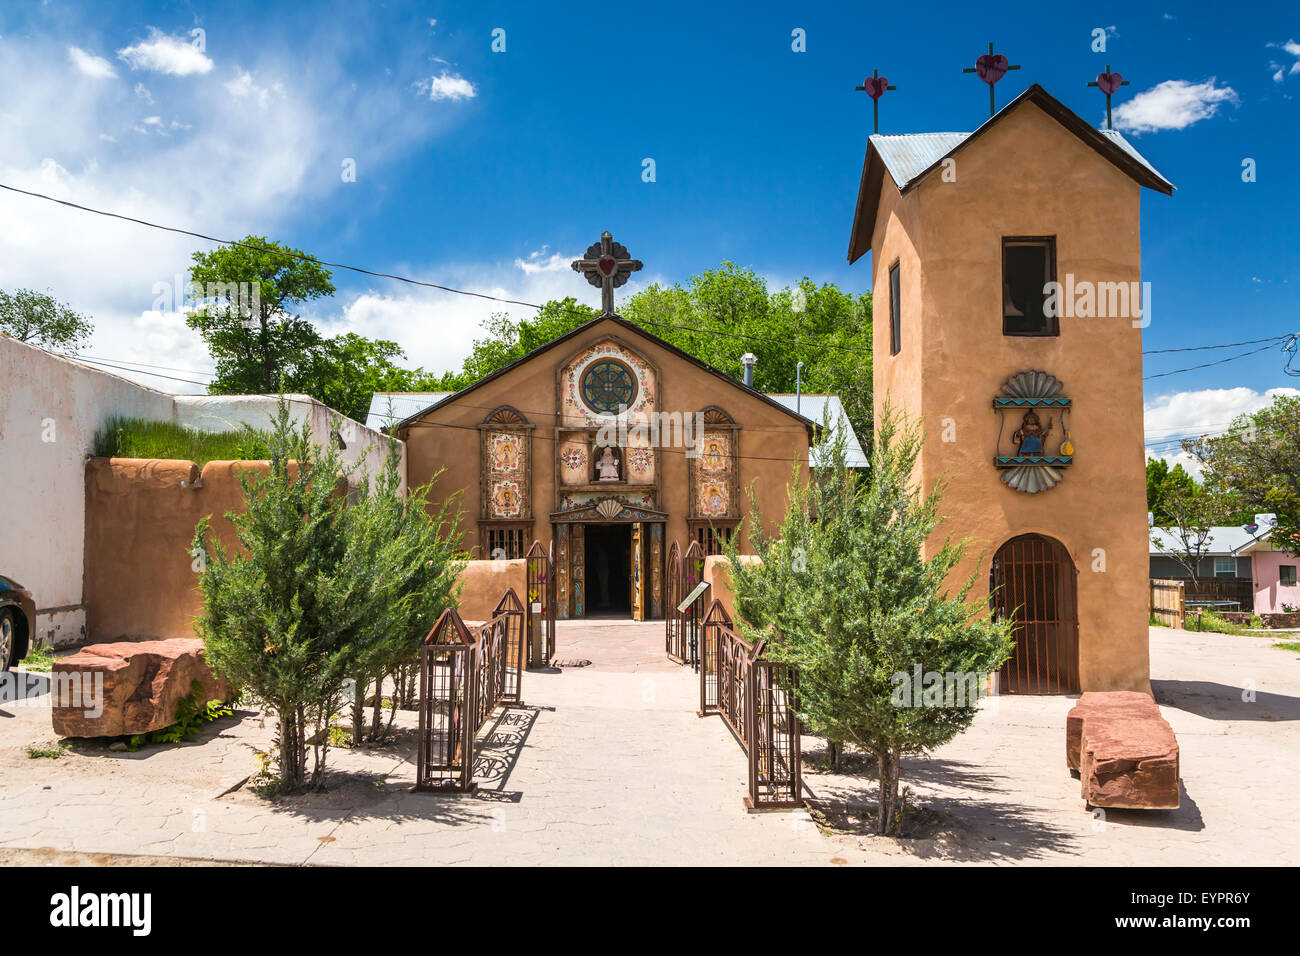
(608, 387)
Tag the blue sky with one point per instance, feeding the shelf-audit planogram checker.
(490, 170)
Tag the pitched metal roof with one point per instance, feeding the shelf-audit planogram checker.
(816, 407)
(909, 158)
(1224, 541)
(387, 408)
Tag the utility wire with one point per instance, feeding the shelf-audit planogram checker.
(1231, 358)
(1229, 345)
(289, 254)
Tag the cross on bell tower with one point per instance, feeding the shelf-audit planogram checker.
(607, 265)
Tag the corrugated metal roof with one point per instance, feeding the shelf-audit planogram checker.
(387, 408)
(907, 155)
(1115, 137)
(1223, 541)
(814, 407)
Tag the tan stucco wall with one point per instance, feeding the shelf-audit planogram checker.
(449, 439)
(1027, 176)
(139, 583)
(717, 571)
(484, 582)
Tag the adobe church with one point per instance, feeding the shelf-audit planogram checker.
(607, 445)
(1031, 401)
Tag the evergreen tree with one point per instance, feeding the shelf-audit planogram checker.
(844, 592)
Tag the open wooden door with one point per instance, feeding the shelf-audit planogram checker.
(636, 568)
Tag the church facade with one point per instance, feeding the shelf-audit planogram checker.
(606, 445)
(1006, 265)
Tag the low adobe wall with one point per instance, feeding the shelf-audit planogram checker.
(138, 579)
(483, 583)
(717, 571)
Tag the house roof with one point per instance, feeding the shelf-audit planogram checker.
(1224, 541)
(388, 408)
(628, 326)
(910, 158)
(816, 408)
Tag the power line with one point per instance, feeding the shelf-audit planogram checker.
(289, 254)
(1231, 358)
(1229, 345)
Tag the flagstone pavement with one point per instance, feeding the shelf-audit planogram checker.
(608, 764)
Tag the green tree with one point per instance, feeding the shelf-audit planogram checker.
(422, 581)
(258, 341)
(1258, 459)
(1193, 511)
(324, 591)
(844, 592)
(718, 316)
(1163, 481)
(38, 318)
(346, 370)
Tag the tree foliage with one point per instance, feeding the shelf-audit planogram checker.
(845, 592)
(1258, 459)
(38, 318)
(322, 588)
(718, 316)
(1162, 482)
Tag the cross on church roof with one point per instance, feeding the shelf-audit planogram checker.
(991, 67)
(607, 265)
(1108, 83)
(875, 86)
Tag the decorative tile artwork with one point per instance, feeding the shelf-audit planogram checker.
(507, 500)
(506, 453)
(715, 456)
(576, 411)
(712, 499)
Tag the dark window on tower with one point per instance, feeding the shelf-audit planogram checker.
(1028, 264)
(895, 317)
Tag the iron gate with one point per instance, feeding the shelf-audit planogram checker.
(1032, 581)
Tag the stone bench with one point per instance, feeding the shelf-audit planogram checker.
(130, 687)
(1124, 750)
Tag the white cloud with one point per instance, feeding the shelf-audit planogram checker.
(142, 91)
(1173, 104)
(91, 65)
(242, 87)
(1282, 71)
(448, 86)
(258, 181)
(1206, 411)
(175, 56)
(540, 262)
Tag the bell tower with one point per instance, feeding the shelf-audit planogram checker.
(1006, 269)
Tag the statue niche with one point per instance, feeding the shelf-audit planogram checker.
(608, 465)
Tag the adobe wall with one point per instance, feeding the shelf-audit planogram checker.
(139, 582)
(483, 583)
(1028, 176)
(770, 440)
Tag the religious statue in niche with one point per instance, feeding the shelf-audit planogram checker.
(1032, 468)
(1030, 435)
(607, 465)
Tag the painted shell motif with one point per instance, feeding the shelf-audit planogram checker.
(1033, 385)
(1031, 479)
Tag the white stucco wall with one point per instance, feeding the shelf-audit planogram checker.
(50, 408)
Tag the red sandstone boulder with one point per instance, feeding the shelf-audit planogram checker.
(1129, 762)
(1120, 703)
(108, 690)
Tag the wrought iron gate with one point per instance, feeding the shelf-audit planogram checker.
(541, 599)
(1033, 581)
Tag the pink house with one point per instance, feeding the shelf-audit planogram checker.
(1243, 563)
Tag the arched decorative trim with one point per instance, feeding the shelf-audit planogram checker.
(506, 415)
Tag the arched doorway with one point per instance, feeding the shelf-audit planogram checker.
(1033, 581)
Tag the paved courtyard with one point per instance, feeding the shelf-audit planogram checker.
(608, 764)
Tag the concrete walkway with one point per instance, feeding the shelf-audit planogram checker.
(609, 765)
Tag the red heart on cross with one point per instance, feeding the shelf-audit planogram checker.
(607, 265)
(1108, 83)
(875, 86)
(991, 67)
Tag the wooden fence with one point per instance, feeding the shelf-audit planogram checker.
(1167, 597)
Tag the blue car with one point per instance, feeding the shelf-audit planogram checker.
(17, 622)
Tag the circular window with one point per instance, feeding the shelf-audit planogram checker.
(608, 387)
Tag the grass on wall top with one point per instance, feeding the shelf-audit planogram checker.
(138, 438)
